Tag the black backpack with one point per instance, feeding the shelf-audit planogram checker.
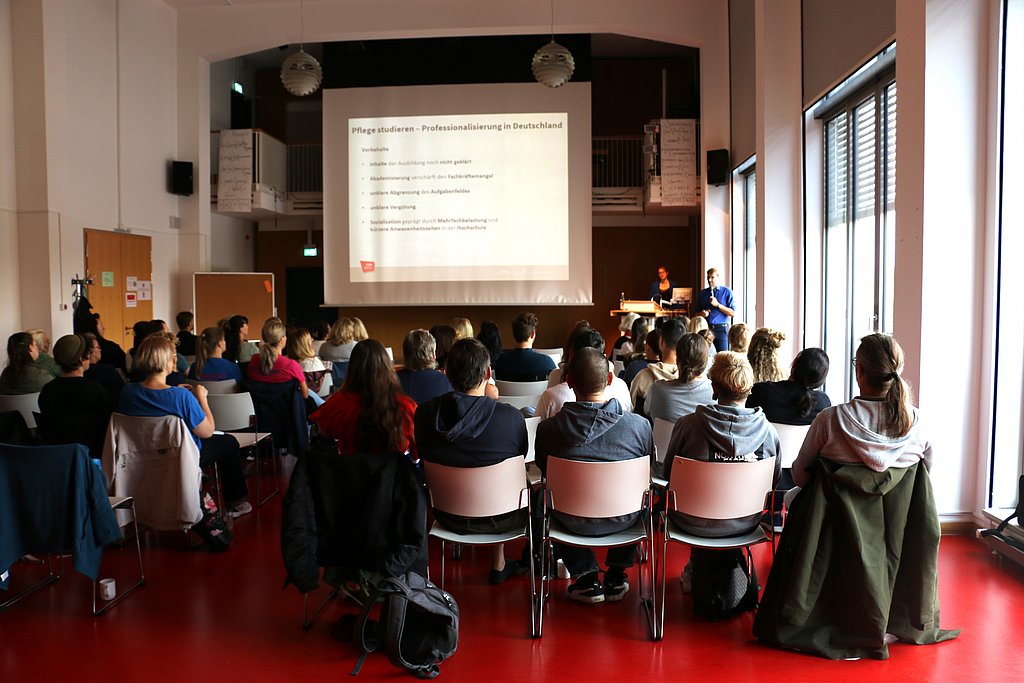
(418, 628)
(721, 585)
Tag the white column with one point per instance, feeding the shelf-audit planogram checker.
(778, 135)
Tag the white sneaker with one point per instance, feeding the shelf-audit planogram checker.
(242, 508)
(562, 571)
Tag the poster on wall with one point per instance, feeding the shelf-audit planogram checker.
(234, 171)
(678, 162)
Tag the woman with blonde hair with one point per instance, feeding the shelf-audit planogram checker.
(369, 414)
(345, 334)
(156, 357)
(210, 363)
(463, 328)
(696, 324)
(300, 349)
(763, 353)
(270, 365)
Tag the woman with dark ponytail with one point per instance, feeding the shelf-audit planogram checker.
(879, 428)
(210, 362)
(795, 401)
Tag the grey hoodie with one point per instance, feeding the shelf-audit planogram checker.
(722, 434)
(595, 432)
(854, 433)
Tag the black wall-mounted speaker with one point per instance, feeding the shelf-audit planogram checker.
(718, 166)
(181, 178)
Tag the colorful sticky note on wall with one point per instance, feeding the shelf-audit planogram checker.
(269, 287)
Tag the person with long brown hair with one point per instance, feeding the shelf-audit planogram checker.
(369, 414)
(879, 427)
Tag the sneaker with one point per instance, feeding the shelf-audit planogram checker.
(686, 579)
(615, 588)
(242, 508)
(512, 567)
(587, 589)
(562, 572)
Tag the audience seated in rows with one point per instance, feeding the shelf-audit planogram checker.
(74, 409)
(369, 413)
(523, 364)
(88, 322)
(345, 334)
(22, 376)
(490, 336)
(420, 379)
(154, 397)
(236, 333)
(210, 364)
(763, 354)
(671, 399)
(666, 368)
(594, 429)
(552, 400)
(270, 365)
(320, 331)
(466, 428)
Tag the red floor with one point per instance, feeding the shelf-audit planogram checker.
(204, 616)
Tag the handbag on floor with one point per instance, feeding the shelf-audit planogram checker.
(418, 628)
(212, 528)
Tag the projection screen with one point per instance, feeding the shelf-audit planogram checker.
(457, 194)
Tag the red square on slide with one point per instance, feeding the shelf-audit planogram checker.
(367, 266)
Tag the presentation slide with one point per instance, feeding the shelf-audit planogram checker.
(457, 194)
(426, 190)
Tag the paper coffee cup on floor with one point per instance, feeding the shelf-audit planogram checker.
(108, 589)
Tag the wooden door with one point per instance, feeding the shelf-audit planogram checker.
(121, 268)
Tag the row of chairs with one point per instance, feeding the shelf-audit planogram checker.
(599, 490)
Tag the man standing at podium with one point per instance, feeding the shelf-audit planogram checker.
(716, 304)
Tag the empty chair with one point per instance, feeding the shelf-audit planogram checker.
(236, 414)
(662, 435)
(715, 491)
(553, 354)
(521, 388)
(590, 490)
(482, 492)
(26, 404)
(221, 386)
(791, 437)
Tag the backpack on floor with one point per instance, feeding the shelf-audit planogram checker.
(418, 628)
(721, 585)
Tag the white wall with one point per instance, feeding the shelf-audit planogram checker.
(10, 292)
(209, 34)
(232, 244)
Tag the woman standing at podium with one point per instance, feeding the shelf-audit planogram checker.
(661, 289)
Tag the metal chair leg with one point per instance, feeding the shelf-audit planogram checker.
(51, 577)
(307, 622)
(126, 504)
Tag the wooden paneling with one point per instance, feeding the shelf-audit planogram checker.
(124, 256)
(625, 259)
